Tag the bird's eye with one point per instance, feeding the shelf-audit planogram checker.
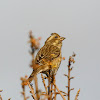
(56, 36)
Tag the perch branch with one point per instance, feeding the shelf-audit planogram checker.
(59, 91)
(44, 84)
(32, 91)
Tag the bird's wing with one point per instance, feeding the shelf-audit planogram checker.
(47, 53)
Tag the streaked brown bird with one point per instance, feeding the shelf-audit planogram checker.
(49, 57)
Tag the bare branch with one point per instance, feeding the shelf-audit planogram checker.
(44, 84)
(76, 97)
(32, 91)
(59, 92)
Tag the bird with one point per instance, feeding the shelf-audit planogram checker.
(48, 58)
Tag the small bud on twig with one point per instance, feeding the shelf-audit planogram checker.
(66, 75)
(71, 78)
(71, 89)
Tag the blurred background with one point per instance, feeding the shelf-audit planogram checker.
(77, 20)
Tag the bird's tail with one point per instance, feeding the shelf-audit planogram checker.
(31, 77)
(35, 72)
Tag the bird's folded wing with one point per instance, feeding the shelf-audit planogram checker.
(47, 52)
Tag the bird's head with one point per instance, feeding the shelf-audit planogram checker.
(55, 39)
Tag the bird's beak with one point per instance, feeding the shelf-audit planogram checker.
(62, 38)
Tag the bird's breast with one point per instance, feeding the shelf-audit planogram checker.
(56, 62)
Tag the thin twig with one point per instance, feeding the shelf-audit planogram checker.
(51, 91)
(69, 80)
(24, 83)
(32, 91)
(55, 93)
(54, 81)
(23, 93)
(64, 93)
(0, 97)
(49, 86)
(36, 87)
(71, 60)
(44, 84)
(76, 97)
(59, 91)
